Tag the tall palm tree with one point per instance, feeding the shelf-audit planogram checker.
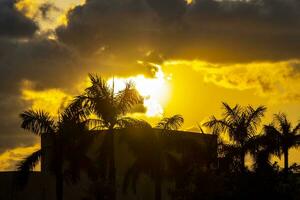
(283, 136)
(152, 154)
(240, 124)
(67, 134)
(110, 107)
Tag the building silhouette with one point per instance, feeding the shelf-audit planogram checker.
(193, 147)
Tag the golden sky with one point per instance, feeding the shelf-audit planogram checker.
(185, 68)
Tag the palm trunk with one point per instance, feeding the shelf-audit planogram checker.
(286, 160)
(157, 187)
(112, 167)
(243, 167)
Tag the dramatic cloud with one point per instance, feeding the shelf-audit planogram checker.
(109, 37)
(277, 81)
(13, 23)
(45, 63)
(46, 13)
(43, 74)
(223, 31)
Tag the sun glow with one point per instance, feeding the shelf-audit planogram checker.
(189, 1)
(154, 90)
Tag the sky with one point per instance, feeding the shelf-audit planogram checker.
(185, 57)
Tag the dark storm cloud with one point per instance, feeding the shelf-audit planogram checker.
(169, 10)
(46, 63)
(11, 135)
(213, 30)
(13, 23)
(43, 61)
(24, 56)
(13, 26)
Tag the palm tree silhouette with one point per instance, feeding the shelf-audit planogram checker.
(240, 123)
(282, 136)
(110, 107)
(69, 141)
(152, 157)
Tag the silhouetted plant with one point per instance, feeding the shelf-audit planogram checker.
(282, 136)
(69, 142)
(240, 124)
(110, 107)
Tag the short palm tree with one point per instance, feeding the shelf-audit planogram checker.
(152, 155)
(68, 144)
(283, 136)
(110, 107)
(240, 124)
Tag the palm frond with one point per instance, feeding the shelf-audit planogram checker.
(80, 105)
(296, 130)
(128, 122)
(99, 99)
(25, 166)
(272, 139)
(29, 163)
(229, 113)
(218, 125)
(96, 124)
(252, 144)
(99, 87)
(171, 123)
(71, 114)
(254, 116)
(282, 121)
(38, 122)
(128, 98)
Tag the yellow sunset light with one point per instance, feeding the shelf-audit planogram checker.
(154, 90)
(189, 1)
(51, 100)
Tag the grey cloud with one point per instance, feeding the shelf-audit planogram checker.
(11, 134)
(13, 23)
(169, 10)
(46, 63)
(223, 31)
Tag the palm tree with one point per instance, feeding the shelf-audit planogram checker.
(69, 139)
(153, 157)
(282, 136)
(240, 124)
(110, 107)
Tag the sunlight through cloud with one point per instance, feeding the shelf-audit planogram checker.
(154, 90)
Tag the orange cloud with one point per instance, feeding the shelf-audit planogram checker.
(49, 100)
(10, 158)
(275, 80)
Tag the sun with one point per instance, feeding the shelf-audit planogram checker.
(155, 90)
(189, 1)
